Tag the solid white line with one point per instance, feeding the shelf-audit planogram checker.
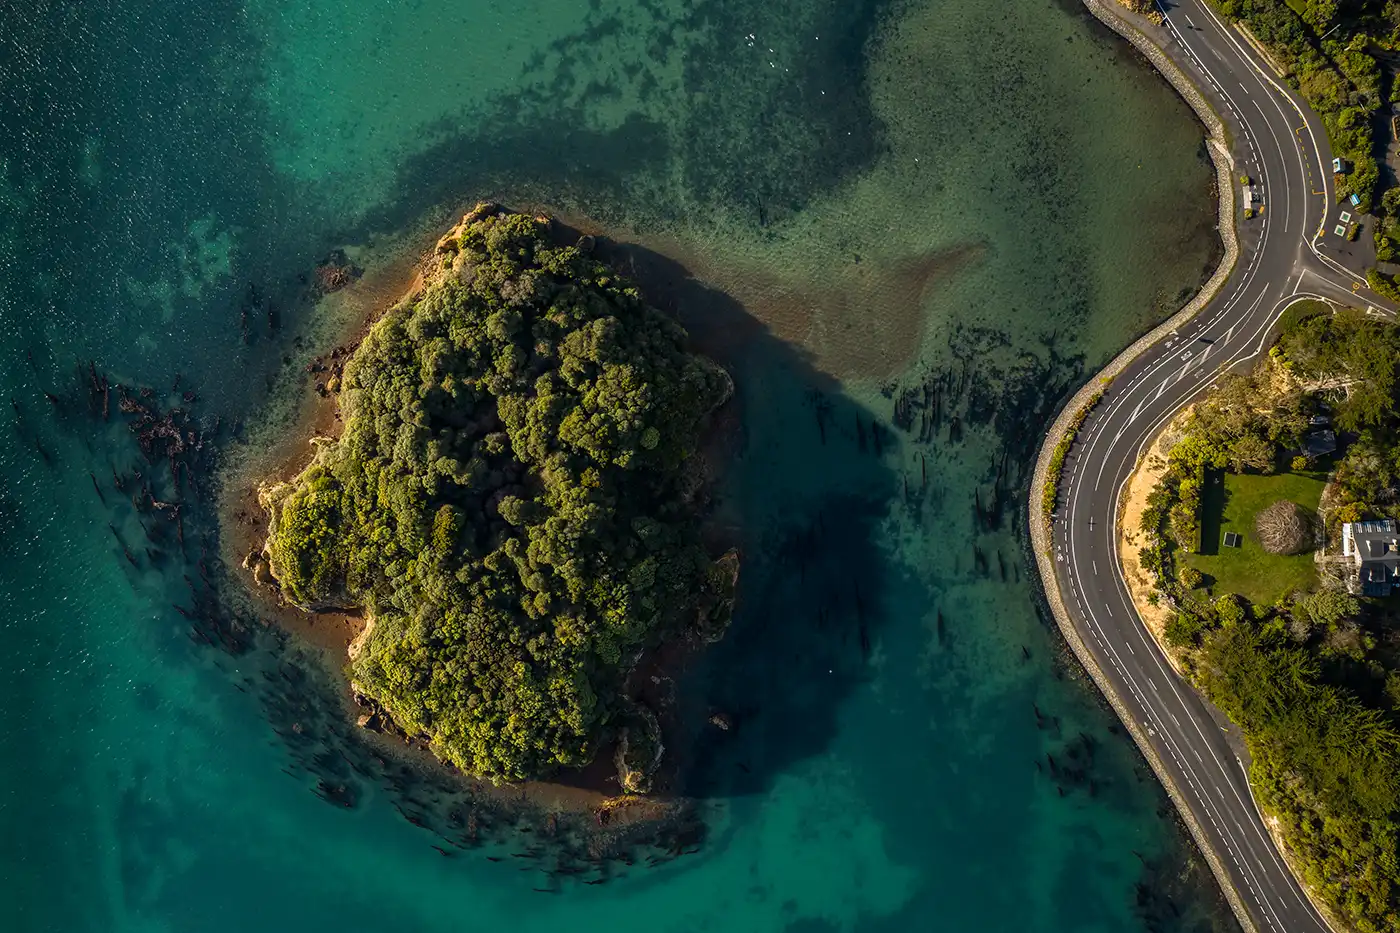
(1247, 868)
(1266, 840)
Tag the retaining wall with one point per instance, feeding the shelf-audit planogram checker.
(1217, 143)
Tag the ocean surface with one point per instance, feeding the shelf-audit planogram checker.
(910, 229)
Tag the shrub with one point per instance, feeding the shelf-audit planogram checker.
(1183, 630)
(1050, 492)
(1382, 285)
(1229, 610)
(1185, 515)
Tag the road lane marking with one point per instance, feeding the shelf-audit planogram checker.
(1269, 847)
(1234, 299)
(1243, 866)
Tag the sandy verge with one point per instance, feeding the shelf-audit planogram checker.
(280, 453)
(1132, 539)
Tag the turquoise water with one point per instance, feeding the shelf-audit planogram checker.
(940, 213)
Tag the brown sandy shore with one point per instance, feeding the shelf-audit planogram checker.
(278, 448)
(1148, 473)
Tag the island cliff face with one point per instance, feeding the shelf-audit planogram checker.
(510, 505)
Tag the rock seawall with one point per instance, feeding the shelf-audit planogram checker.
(1217, 143)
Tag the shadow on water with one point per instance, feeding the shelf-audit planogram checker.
(814, 481)
(814, 476)
(805, 491)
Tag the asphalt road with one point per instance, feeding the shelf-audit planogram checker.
(1283, 256)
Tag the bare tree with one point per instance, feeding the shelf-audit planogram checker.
(1285, 528)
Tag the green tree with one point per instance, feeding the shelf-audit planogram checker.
(1229, 610)
(1326, 608)
(506, 502)
(1252, 452)
(1320, 14)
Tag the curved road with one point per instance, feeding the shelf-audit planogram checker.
(1283, 255)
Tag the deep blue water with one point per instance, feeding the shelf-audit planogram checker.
(847, 202)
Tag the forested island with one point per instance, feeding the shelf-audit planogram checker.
(1271, 544)
(511, 503)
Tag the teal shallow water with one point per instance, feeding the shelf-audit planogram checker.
(876, 197)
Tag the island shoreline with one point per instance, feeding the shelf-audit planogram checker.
(394, 280)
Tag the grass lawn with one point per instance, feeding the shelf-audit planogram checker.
(1251, 571)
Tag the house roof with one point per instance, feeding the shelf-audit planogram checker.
(1375, 548)
(1376, 571)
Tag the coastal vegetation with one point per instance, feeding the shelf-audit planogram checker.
(510, 503)
(1340, 56)
(1382, 284)
(1147, 8)
(1050, 492)
(1327, 51)
(1281, 642)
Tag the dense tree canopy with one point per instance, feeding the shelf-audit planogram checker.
(508, 501)
(1349, 357)
(1325, 763)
